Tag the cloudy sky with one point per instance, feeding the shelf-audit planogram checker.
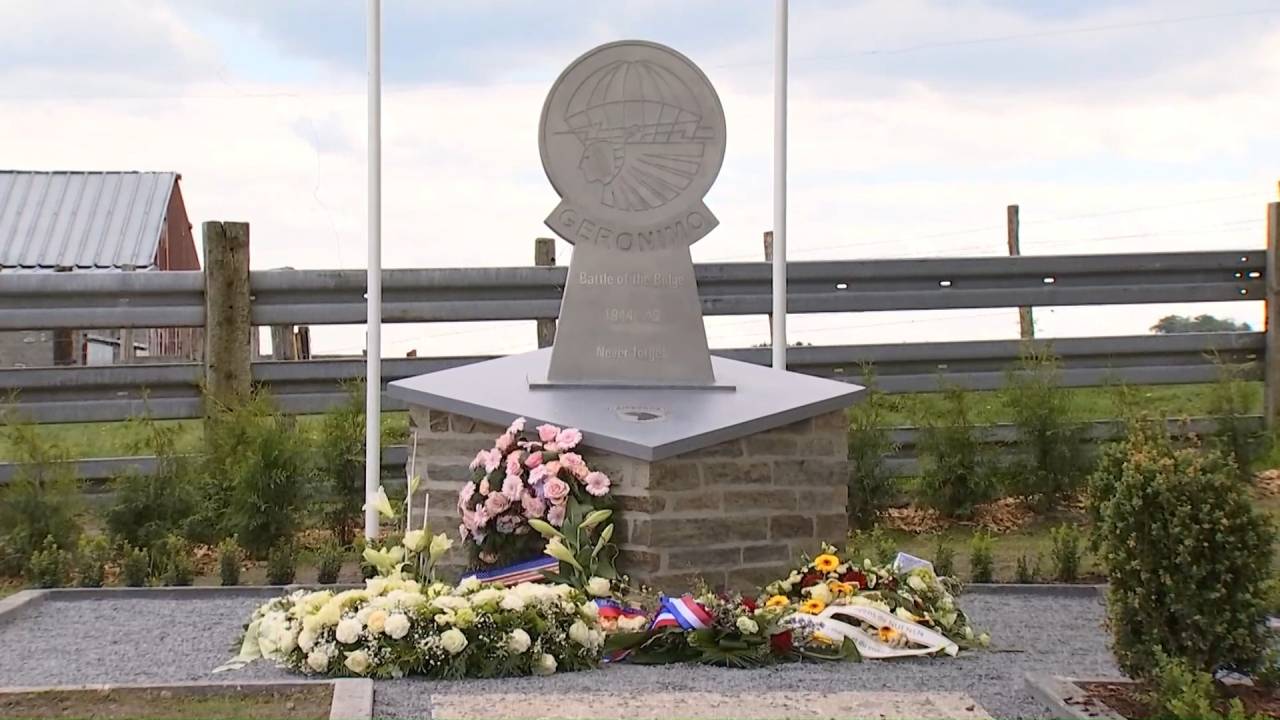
(1118, 126)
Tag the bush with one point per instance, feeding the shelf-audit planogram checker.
(981, 561)
(49, 566)
(259, 456)
(148, 508)
(41, 500)
(1187, 559)
(956, 469)
(1027, 572)
(1184, 693)
(172, 561)
(870, 483)
(329, 559)
(339, 464)
(944, 558)
(1066, 552)
(1231, 404)
(135, 566)
(229, 557)
(282, 565)
(91, 561)
(1052, 460)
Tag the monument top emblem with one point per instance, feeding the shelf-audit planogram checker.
(632, 137)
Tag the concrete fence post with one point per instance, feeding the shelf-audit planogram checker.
(227, 369)
(544, 255)
(1271, 404)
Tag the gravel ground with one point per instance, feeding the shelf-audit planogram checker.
(174, 640)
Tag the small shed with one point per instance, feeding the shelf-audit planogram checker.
(94, 222)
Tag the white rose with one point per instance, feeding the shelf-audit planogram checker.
(485, 596)
(917, 583)
(357, 662)
(306, 640)
(597, 638)
(820, 592)
(545, 665)
(450, 602)
(348, 631)
(397, 626)
(453, 641)
(590, 611)
(518, 641)
(564, 592)
(468, 586)
(286, 640)
(598, 587)
(747, 626)
(377, 621)
(318, 660)
(579, 633)
(512, 601)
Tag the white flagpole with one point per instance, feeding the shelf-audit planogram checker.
(373, 341)
(780, 187)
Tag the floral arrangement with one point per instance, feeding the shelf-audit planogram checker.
(917, 595)
(730, 630)
(531, 495)
(396, 626)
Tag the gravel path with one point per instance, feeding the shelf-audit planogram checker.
(174, 640)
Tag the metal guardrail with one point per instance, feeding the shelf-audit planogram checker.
(90, 394)
(317, 297)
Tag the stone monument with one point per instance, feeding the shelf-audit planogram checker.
(723, 470)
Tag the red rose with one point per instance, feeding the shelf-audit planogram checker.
(749, 604)
(855, 577)
(812, 577)
(781, 643)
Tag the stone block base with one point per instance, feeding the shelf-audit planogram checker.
(735, 515)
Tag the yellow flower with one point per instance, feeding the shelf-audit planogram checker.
(826, 562)
(823, 639)
(813, 606)
(888, 634)
(777, 601)
(839, 588)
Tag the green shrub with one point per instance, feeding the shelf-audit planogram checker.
(1181, 692)
(1027, 572)
(1066, 552)
(282, 565)
(148, 508)
(1187, 558)
(173, 563)
(870, 483)
(91, 561)
(229, 557)
(944, 557)
(339, 464)
(259, 456)
(49, 566)
(956, 468)
(1050, 460)
(873, 545)
(329, 559)
(981, 560)
(1231, 404)
(41, 501)
(135, 566)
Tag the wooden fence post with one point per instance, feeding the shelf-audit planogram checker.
(1271, 404)
(544, 255)
(1026, 324)
(227, 369)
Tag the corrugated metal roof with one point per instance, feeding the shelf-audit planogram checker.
(88, 220)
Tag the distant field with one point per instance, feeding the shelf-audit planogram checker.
(116, 439)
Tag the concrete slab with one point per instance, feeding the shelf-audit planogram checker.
(708, 706)
(646, 423)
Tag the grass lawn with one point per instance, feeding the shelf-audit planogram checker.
(144, 703)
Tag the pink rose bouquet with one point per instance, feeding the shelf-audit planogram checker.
(523, 477)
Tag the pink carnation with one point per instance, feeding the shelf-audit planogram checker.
(538, 474)
(553, 468)
(548, 433)
(505, 442)
(571, 459)
(597, 483)
(514, 466)
(508, 523)
(469, 520)
(556, 490)
(551, 447)
(534, 460)
(580, 471)
(466, 493)
(555, 515)
(513, 487)
(492, 462)
(496, 503)
(517, 426)
(534, 506)
(479, 459)
(481, 517)
(569, 438)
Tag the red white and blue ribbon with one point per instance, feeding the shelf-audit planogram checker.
(528, 571)
(688, 613)
(612, 610)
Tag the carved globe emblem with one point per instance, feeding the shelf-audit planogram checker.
(632, 129)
